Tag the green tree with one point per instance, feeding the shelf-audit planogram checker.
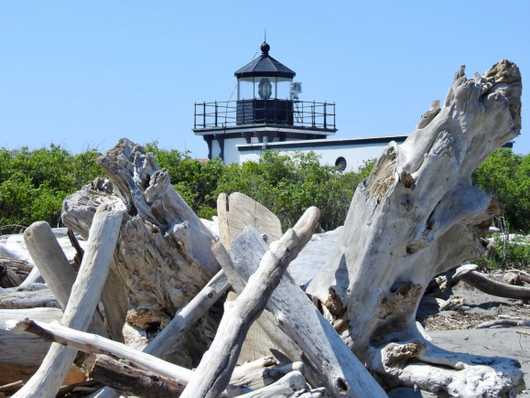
(506, 175)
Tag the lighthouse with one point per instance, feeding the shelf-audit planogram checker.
(267, 110)
(268, 114)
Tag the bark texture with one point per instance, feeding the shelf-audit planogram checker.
(164, 255)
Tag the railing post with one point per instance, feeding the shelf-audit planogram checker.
(325, 116)
(313, 114)
(195, 115)
(204, 115)
(215, 113)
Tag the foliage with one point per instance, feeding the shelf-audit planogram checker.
(289, 185)
(34, 183)
(505, 254)
(507, 176)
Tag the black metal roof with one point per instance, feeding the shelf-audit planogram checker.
(265, 65)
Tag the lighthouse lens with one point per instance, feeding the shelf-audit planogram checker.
(265, 89)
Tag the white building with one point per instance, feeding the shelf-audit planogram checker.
(268, 115)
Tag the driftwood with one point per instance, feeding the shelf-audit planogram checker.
(94, 344)
(33, 277)
(348, 308)
(170, 339)
(237, 211)
(37, 295)
(287, 386)
(23, 353)
(144, 373)
(418, 215)
(217, 364)
(49, 258)
(501, 323)
(163, 258)
(337, 368)
(13, 271)
(85, 296)
(496, 288)
(122, 376)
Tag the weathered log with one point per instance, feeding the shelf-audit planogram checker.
(85, 296)
(49, 258)
(164, 257)
(215, 369)
(94, 344)
(37, 295)
(13, 271)
(24, 349)
(287, 386)
(170, 339)
(502, 323)
(133, 380)
(23, 353)
(418, 215)
(496, 288)
(143, 372)
(237, 211)
(257, 374)
(339, 370)
(53, 265)
(33, 277)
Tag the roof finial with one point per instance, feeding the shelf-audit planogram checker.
(265, 46)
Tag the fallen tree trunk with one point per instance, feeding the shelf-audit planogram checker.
(85, 296)
(214, 372)
(418, 215)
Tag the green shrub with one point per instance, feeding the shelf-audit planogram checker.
(514, 253)
(507, 176)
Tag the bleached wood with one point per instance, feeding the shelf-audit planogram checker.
(49, 258)
(126, 378)
(237, 211)
(216, 366)
(85, 296)
(94, 344)
(37, 295)
(164, 256)
(496, 288)
(252, 375)
(418, 215)
(258, 374)
(286, 387)
(24, 349)
(13, 271)
(338, 369)
(169, 340)
(33, 277)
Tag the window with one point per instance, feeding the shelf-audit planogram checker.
(340, 163)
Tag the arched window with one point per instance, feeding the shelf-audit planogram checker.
(340, 164)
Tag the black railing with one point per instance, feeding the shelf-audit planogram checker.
(299, 114)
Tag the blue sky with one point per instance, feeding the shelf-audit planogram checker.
(84, 74)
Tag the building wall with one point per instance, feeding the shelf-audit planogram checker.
(354, 154)
(231, 152)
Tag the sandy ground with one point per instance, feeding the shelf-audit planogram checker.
(455, 329)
